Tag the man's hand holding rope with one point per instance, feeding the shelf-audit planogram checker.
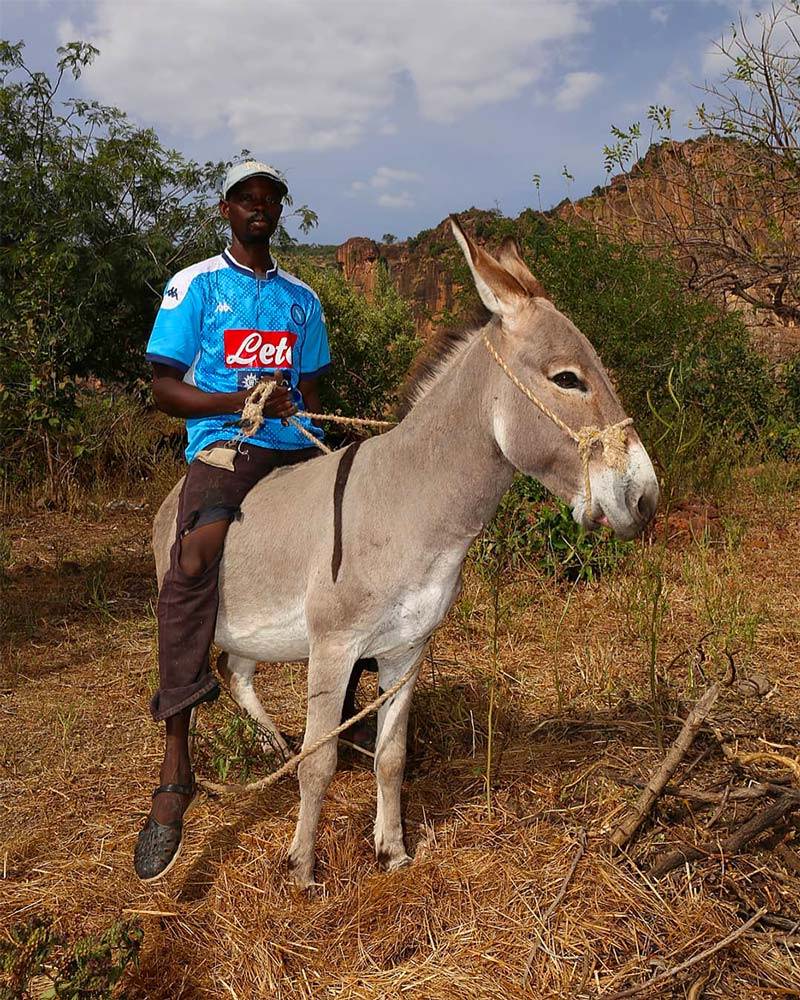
(276, 403)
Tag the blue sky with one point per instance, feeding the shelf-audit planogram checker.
(386, 116)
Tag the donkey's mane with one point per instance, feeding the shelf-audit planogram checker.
(434, 358)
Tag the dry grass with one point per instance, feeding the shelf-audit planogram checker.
(79, 756)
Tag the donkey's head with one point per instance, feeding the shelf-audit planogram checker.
(566, 431)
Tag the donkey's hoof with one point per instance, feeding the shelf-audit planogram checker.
(391, 862)
(274, 747)
(302, 874)
(308, 887)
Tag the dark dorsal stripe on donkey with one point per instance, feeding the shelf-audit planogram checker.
(416, 498)
(339, 486)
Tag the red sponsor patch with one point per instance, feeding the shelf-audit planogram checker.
(259, 348)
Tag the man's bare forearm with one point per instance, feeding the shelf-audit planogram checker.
(181, 399)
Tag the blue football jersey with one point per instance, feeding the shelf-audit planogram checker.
(225, 329)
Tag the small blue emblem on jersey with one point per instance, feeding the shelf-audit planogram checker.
(298, 315)
(172, 293)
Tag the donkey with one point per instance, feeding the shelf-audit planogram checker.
(415, 499)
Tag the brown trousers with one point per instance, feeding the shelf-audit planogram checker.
(187, 605)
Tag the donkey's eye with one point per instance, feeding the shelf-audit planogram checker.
(568, 380)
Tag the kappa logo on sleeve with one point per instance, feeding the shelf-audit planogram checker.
(171, 293)
(259, 348)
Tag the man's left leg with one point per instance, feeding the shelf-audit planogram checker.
(361, 735)
(187, 612)
(187, 618)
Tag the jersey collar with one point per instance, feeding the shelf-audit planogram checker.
(229, 259)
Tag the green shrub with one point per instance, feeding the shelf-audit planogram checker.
(114, 434)
(783, 430)
(232, 750)
(509, 542)
(791, 388)
(110, 436)
(783, 439)
(372, 342)
(570, 553)
(37, 961)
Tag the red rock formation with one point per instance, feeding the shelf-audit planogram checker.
(646, 206)
(358, 260)
(418, 269)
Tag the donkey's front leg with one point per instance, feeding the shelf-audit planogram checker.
(390, 759)
(328, 672)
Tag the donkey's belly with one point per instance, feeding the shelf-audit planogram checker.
(270, 637)
(266, 646)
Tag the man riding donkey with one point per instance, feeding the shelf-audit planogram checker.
(225, 325)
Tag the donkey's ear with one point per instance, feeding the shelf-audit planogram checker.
(511, 259)
(499, 290)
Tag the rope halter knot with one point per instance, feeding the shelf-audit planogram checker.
(612, 439)
(614, 444)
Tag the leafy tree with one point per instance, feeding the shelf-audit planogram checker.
(388, 238)
(95, 215)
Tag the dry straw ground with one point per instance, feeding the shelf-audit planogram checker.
(574, 727)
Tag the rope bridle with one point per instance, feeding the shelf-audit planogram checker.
(612, 438)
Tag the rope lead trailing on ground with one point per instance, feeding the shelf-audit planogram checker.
(293, 762)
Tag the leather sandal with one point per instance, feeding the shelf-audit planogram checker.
(158, 845)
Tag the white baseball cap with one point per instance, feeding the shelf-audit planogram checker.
(252, 168)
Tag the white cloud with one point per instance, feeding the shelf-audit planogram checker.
(401, 200)
(659, 14)
(317, 75)
(715, 62)
(386, 176)
(675, 88)
(381, 183)
(575, 89)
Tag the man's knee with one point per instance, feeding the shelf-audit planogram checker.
(201, 547)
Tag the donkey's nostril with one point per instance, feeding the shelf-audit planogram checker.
(646, 505)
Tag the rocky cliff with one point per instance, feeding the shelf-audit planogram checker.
(648, 205)
(418, 268)
(716, 208)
